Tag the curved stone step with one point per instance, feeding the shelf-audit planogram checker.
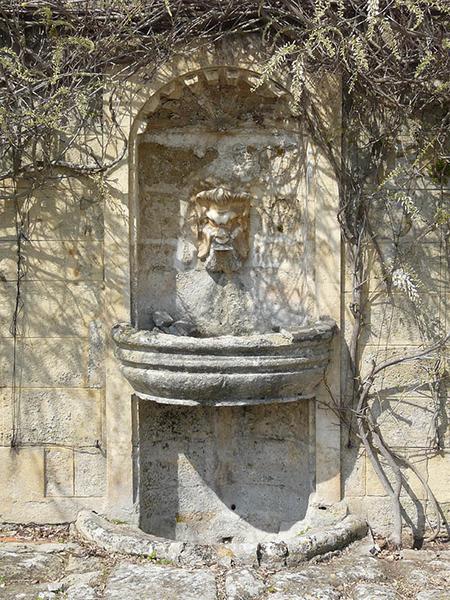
(276, 554)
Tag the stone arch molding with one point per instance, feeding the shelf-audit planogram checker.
(241, 60)
(213, 75)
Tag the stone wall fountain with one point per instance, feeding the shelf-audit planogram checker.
(226, 347)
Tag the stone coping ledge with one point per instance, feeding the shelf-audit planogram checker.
(126, 336)
(276, 554)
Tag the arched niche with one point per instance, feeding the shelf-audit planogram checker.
(180, 470)
(218, 129)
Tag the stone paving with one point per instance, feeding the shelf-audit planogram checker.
(72, 570)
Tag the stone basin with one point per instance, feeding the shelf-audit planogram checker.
(224, 370)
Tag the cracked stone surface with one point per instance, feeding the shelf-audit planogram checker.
(80, 571)
(370, 591)
(135, 582)
(243, 584)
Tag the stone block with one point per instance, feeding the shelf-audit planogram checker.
(6, 416)
(8, 293)
(378, 511)
(160, 217)
(427, 263)
(22, 476)
(66, 260)
(159, 422)
(47, 510)
(158, 474)
(353, 471)
(327, 263)
(96, 355)
(161, 163)
(395, 320)
(159, 254)
(327, 449)
(156, 290)
(196, 465)
(374, 487)
(413, 489)
(276, 253)
(7, 215)
(274, 421)
(90, 473)
(6, 361)
(8, 261)
(292, 472)
(389, 218)
(93, 135)
(268, 504)
(60, 416)
(269, 462)
(64, 208)
(408, 378)
(327, 300)
(190, 463)
(439, 476)
(60, 309)
(164, 509)
(408, 420)
(53, 260)
(46, 362)
(403, 181)
(59, 472)
(116, 245)
(328, 89)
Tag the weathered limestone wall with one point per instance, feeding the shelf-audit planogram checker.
(413, 418)
(54, 415)
(237, 473)
(275, 286)
(76, 429)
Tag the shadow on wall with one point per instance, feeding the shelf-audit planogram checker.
(52, 377)
(215, 474)
(409, 400)
(186, 150)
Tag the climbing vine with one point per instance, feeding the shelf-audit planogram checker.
(392, 60)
